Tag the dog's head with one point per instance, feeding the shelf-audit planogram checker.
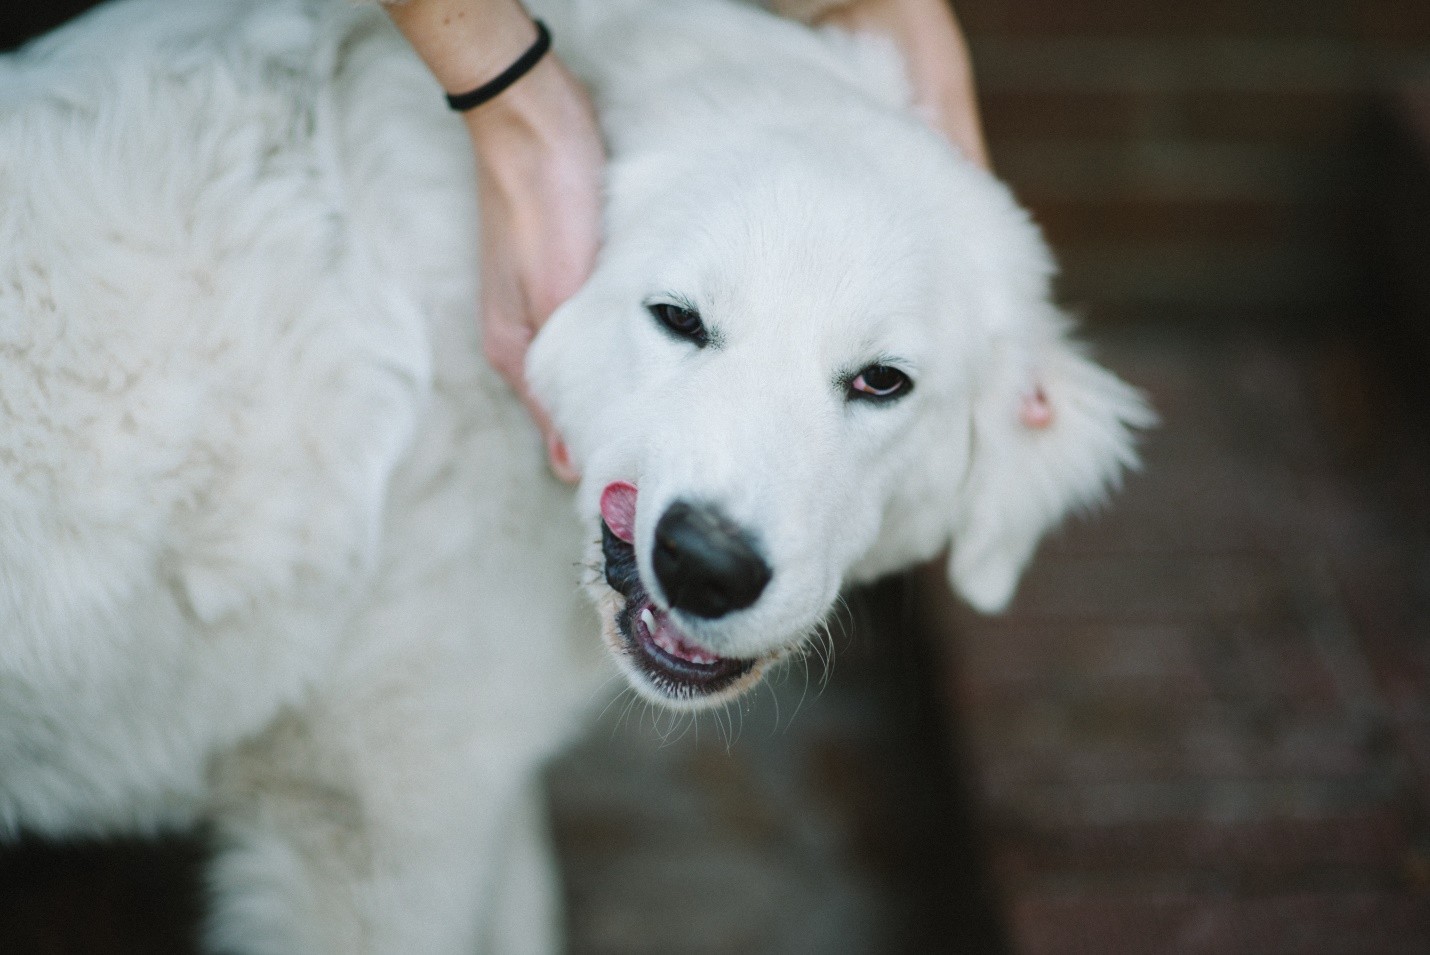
(810, 356)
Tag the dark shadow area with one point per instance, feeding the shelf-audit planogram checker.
(24, 21)
(119, 898)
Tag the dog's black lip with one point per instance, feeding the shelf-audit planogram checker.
(621, 573)
(684, 676)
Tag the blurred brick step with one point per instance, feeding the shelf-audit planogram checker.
(1074, 922)
(1369, 851)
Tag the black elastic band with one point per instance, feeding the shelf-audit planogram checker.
(490, 90)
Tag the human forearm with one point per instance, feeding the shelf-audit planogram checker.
(539, 165)
(464, 42)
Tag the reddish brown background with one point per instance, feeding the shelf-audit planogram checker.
(1199, 160)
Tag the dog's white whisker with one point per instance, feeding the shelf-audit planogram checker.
(775, 699)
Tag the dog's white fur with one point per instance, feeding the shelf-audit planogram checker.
(278, 550)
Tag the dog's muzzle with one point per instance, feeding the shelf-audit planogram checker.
(706, 567)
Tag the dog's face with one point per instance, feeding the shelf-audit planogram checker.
(797, 366)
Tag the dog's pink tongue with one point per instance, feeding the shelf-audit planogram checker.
(618, 508)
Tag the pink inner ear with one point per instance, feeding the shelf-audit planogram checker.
(1035, 412)
(618, 509)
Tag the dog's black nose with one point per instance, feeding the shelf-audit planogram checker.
(705, 563)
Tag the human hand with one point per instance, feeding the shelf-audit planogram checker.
(540, 160)
(928, 35)
(539, 168)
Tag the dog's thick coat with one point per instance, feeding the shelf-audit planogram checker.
(278, 550)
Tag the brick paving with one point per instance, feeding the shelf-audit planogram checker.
(1204, 726)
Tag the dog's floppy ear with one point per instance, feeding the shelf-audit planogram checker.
(1051, 432)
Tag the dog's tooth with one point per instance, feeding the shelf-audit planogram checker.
(648, 619)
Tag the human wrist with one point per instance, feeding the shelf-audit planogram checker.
(465, 43)
(546, 108)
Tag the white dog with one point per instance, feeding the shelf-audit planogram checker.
(279, 552)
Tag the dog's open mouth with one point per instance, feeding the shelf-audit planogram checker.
(670, 659)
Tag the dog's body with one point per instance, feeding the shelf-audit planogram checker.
(279, 551)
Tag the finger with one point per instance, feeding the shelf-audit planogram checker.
(557, 455)
(505, 343)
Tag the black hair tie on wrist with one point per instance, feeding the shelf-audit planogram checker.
(490, 90)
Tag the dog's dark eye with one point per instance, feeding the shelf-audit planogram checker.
(682, 322)
(879, 383)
